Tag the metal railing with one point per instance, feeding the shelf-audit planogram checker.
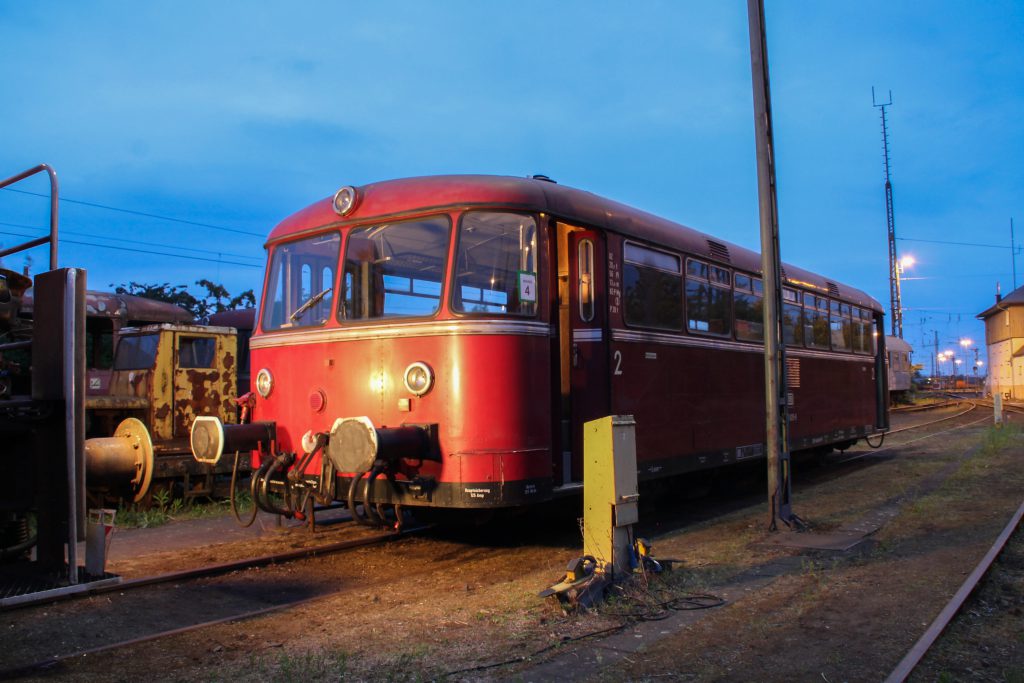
(54, 200)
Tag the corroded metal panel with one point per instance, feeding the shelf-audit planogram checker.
(204, 378)
(161, 390)
(116, 403)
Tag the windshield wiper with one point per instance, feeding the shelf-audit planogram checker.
(310, 302)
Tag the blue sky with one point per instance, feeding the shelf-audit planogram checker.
(235, 115)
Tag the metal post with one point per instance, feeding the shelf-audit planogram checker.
(894, 288)
(776, 418)
(1013, 254)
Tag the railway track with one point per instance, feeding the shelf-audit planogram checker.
(257, 581)
(931, 635)
(922, 408)
(248, 590)
(970, 584)
(973, 405)
(101, 587)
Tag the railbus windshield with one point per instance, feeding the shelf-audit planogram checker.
(496, 267)
(395, 269)
(399, 270)
(300, 283)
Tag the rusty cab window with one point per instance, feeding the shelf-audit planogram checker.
(395, 269)
(496, 268)
(196, 352)
(300, 283)
(136, 352)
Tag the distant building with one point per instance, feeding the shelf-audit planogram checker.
(1004, 340)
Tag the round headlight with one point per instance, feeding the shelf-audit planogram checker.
(264, 382)
(419, 378)
(344, 200)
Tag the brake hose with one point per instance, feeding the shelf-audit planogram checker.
(234, 502)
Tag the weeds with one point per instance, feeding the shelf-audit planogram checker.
(164, 509)
(998, 438)
(303, 666)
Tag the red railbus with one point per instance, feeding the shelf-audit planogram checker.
(440, 341)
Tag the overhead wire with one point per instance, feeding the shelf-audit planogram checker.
(132, 212)
(131, 241)
(146, 251)
(1016, 248)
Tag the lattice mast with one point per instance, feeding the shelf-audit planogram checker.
(895, 305)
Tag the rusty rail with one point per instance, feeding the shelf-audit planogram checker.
(54, 212)
(81, 590)
(925, 642)
(50, 662)
(10, 346)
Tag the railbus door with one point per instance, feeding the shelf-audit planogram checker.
(583, 340)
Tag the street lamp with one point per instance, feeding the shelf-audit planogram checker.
(897, 314)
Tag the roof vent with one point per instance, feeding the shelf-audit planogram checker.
(718, 251)
(833, 291)
(540, 176)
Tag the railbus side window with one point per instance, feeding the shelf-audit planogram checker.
(792, 323)
(840, 326)
(816, 329)
(863, 341)
(585, 266)
(496, 267)
(708, 298)
(652, 283)
(749, 303)
(868, 326)
(300, 286)
(395, 269)
(856, 331)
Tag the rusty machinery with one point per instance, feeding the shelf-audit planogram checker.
(167, 371)
(167, 375)
(44, 458)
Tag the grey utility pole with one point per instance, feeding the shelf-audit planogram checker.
(776, 417)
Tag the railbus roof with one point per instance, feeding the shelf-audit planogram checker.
(393, 199)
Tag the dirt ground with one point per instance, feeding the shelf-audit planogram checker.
(463, 605)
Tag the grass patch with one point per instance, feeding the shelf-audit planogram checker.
(164, 509)
(313, 666)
